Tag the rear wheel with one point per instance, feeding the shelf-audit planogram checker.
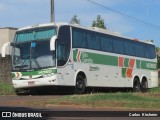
(136, 85)
(80, 85)
(144, 85)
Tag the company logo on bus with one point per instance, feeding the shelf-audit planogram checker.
(151, 65)
(83, 57)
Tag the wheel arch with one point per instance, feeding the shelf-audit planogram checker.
(135, 76)
(82, 73)
(143, 78)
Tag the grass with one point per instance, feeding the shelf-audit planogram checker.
(149, 100)
(6, 88)
(125, 101)
(154, 90)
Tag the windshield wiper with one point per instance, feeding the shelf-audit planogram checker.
(37, 63)
(21, 66)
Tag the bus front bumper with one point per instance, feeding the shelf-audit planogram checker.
(48, 81)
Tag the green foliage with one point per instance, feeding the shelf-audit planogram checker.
(6, 88)
(99, 22)
(75, 20)
(154, 90)
(158, 58)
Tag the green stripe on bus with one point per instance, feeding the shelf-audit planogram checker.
(124, 72)
(146, 65)
(74, 55)
(38, 72)
(126, 62)
(87, 57)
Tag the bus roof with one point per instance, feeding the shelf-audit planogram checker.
(100, 30)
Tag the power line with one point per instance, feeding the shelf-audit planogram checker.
(123, 14)
(122, 5)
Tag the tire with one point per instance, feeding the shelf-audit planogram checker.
(80, 85)
(144, 85)
(137, 86)
(19, 92)
(23, 92)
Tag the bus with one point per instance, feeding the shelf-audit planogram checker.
(61, 54)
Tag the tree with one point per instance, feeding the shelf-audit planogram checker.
(158, 57)
(75, 20)
(99, 22)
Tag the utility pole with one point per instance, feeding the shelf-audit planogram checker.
(52, 11)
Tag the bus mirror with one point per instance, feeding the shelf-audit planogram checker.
(12, 44)
(52, 43)
(3, 51)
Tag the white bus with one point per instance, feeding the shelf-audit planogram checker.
(59, 54)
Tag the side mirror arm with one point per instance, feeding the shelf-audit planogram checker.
(3, 50)
(53, 43)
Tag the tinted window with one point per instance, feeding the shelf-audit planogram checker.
(118, 45)
(153, 52)
(106, 43)
(63, 45)
(129, 47)
(93, 41)
(139, 49)
(79, 38)
(35, 34)
(98, 41)
(147, 51)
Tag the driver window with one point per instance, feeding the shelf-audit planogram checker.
(63, 45)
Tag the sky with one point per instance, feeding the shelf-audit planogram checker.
(20, 13)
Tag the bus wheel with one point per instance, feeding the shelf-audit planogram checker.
(136, 85)
(80, 85)
(22, 92)
(144, 84)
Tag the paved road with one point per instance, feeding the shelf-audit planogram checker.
(18, 104)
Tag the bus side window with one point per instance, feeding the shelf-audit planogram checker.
(147, 51)
(63, 45)
(152, 52)
(61, 54)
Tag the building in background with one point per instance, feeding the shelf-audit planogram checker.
(6, 35)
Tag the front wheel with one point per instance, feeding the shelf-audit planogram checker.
(80, 85)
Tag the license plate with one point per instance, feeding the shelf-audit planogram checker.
(31, 83)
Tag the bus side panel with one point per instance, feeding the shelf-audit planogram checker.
(66, 75)
(154, 79)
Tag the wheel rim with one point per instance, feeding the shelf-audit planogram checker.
(144, 85)
(79, 85)
(137, 87)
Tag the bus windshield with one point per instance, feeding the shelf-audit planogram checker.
(33, 55)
